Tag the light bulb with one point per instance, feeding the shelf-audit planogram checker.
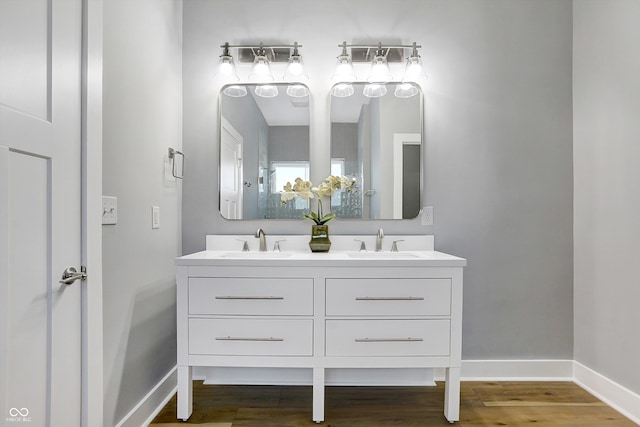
(379, 72)
(295, 70)
(344, 68)
(414, 72)
(261, 70)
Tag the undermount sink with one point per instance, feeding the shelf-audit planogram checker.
(386, 255)
(256, 255)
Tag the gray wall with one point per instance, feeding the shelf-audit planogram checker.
(288, 143)
(498, 121)
(607, 182)
(142, 118)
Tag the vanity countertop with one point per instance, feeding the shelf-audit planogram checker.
(334, 258)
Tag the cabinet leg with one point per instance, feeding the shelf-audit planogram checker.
(452, 394)
(318, 395)
(185, 393)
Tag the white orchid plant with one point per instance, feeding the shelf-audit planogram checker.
(305, 190)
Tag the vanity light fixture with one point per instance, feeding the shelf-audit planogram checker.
(227, 74)
(414, 72)
(262, 56)
(261, 70)
(295, 74)
(344, 75)
(379, 74)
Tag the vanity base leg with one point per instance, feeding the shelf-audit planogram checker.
(185, 393)
(318, 395)
(452, 394)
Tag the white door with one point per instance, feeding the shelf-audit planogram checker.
(40, 212)
(230, 171)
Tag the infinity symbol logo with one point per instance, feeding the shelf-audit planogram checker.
(14, 412)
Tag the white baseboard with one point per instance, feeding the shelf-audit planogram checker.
(613, 394)
(147, 409)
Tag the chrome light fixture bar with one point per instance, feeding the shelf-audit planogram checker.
(262, 56)
(379, 74)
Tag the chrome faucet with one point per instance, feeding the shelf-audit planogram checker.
(263, 240)
(379, 238)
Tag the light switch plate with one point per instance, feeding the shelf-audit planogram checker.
(109, 210)
(427, 215)
(155, 217)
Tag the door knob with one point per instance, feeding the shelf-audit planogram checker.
(70, 275)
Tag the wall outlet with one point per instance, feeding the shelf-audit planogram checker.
(109, 210)
(427, 215)
(155, 217)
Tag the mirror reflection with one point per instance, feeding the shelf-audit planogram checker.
(376, 138)
(264, 142)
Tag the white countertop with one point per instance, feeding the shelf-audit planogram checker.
(332, 258)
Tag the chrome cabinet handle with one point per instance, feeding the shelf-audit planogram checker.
(248, 339)
(250, 297)
(389, 339)
(389, 298)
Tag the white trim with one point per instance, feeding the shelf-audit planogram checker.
(91, 143)
(4, 277)
(146, 410)
(613, 394)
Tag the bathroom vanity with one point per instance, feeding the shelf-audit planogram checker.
(336, 310)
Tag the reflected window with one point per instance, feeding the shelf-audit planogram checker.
(283, 172)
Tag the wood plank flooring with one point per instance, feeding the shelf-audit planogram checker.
(557, 404)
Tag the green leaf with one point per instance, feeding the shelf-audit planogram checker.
(328, 217)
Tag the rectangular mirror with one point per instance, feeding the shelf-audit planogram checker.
(376, 138)
(264, 142)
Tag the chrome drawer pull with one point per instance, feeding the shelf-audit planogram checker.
(248, 339)
(250, 298)
(389, 339)
(389, 298)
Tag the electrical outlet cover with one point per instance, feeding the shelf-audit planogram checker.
(155, 217)
(427, 215)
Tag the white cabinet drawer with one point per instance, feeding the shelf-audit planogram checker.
(251, 296)
(387, 337)
(388, 297)
(251, 337)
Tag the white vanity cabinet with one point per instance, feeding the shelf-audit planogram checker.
(320, 312)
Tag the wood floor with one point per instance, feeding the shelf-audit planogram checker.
(558, 404)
